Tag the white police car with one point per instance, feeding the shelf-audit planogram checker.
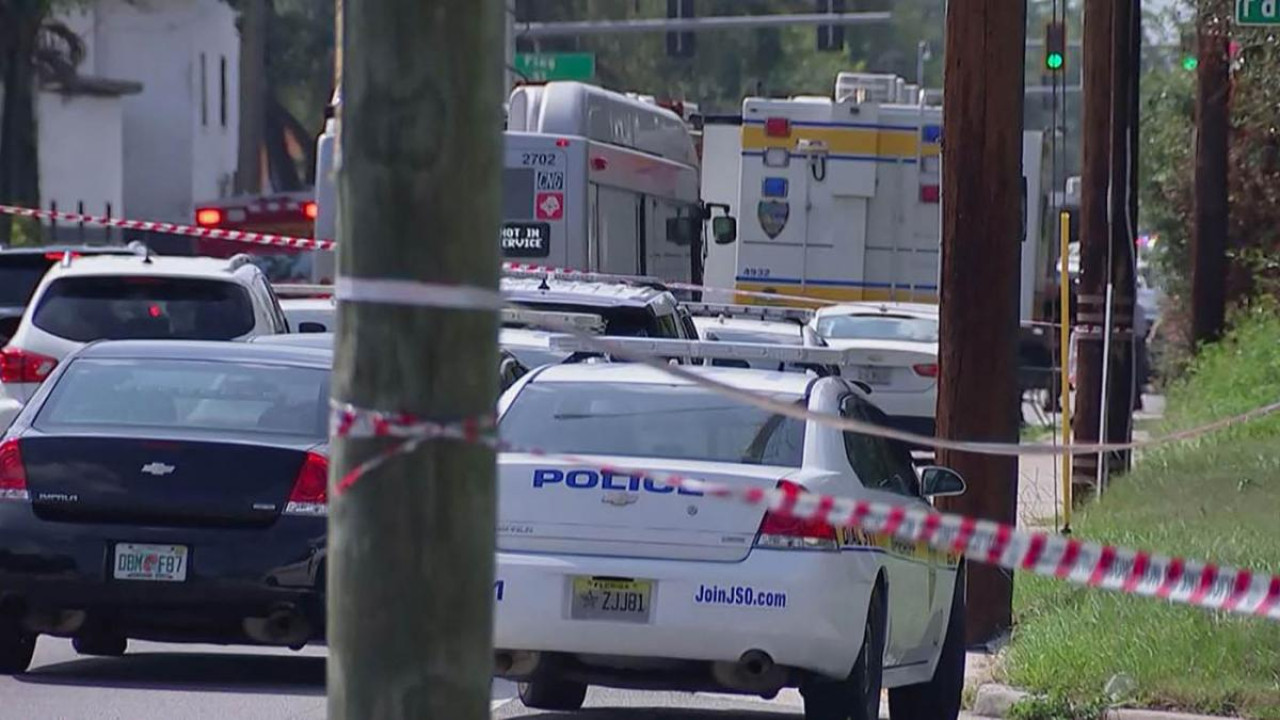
(613, 578)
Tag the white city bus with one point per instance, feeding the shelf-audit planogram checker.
(593, 180)
(600, 181)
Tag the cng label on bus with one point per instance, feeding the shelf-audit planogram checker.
(526, 239)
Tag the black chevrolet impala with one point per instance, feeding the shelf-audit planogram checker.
(171, 491)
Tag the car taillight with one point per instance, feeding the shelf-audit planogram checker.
(208, 217)
(20, 366)
(13, 476)
(926, 370)
(310, 209)
(787, 532)
(310, 494)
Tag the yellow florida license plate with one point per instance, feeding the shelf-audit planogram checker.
(616, 599)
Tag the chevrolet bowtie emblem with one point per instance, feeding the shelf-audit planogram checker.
(619, 499)
(158, 469)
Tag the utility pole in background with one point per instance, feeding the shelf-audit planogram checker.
(1209, 225)
(1094, 234)
(253, 96)
(411, 545)
(1123, 248)
(981, 190)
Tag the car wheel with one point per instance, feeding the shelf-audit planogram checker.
(938, 699)
(857, 697)
(553, 694)
(102, 645)
(17, 645)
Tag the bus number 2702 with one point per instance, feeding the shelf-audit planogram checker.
(537, 159)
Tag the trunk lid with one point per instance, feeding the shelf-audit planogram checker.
(553, 506)
(165, 482)
(888, 366)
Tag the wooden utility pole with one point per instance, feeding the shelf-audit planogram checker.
(411, 545)
(1095, 174)
(1123, 247)
(253, 96)
(1209, 225)
(981, 196)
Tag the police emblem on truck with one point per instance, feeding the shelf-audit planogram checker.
(773, 216)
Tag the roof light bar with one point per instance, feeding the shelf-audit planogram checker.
(712, 350)
(550, 320)
(756, 312)
(302, 290)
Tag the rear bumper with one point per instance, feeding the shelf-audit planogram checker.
(811, 618)
(55, 571)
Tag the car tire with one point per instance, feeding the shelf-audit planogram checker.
(100, 645)
(553, 694)
(857, 697)
(940, 698)
(17, 645)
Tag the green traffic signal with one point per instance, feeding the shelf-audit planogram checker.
(1190, 62)
(1053, 61)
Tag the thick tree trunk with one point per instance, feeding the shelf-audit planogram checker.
(19, 154)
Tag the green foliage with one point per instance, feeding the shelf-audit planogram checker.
(1057, 707)
(1214, 499)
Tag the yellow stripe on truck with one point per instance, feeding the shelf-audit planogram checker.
(845, 141)
(832, 293)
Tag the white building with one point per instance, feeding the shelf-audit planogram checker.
(150, 125)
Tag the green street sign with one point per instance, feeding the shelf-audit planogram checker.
(1258, 12)
(556, 66)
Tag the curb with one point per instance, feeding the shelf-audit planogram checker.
(994, 701)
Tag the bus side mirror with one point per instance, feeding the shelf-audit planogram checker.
(724, 229)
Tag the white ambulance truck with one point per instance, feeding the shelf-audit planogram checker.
(840, 198)
(593, 180)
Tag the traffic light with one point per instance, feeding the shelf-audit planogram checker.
(830, 37)
(680, 44)
(1187, 45)
(1055, 46)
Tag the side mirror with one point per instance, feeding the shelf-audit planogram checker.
(724, 229)
(941, 482)
(682, 230)
(311, 327)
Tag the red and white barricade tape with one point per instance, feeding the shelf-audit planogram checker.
(244, 236)
(1090, 564)
(305, 243)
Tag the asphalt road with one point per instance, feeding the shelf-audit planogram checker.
(202, 682)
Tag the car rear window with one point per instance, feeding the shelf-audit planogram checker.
(189, 394)
(879, 327)
(121, 307)
(19, 276)
(678, 422)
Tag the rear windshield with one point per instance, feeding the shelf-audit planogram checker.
(191, 395)
(19, 276)
(118, 308)
(879, 327)
(620, 321)
(677, 422)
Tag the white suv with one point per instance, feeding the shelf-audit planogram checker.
(81, 300)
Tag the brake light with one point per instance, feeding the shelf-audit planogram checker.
(561, 142)
(20, 366)
(310, 494)
(59, 255)
(777, 127)
(208, 217)
(599, 164)
(784, 531)
(926, 370)
(310, 210)
(13, 476)
(929, 194)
